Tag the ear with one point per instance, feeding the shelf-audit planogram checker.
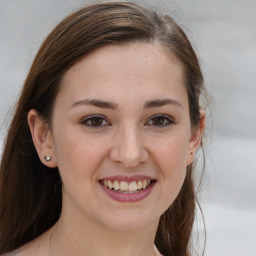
(196, 138)
(42, 138)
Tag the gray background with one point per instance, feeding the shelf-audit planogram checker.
(224, 35)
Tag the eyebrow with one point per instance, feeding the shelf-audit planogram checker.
(96, 103)
(110, 105)
(161, 102)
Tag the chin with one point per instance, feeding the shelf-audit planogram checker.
(128, 220)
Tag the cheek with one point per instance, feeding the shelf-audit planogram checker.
(172, 163)
(172, 152)
(77, 156)
(170, 157)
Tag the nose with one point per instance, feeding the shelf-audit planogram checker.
(129, 149)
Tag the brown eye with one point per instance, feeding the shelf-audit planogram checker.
(160, 121)
(95, 122)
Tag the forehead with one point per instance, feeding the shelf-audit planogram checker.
(149, 69)
(139, 53)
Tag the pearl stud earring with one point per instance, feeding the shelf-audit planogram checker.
(48, 158)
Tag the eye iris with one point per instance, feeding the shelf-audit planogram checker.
(96, 121)
(158, 120)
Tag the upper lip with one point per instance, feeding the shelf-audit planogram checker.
(128, 178)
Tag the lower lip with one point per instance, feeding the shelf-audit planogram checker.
(134, 197)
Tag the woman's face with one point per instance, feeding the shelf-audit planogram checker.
(121, 120)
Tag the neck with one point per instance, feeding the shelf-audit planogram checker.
(70, 238)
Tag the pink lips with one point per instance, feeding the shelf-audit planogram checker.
(127, 197)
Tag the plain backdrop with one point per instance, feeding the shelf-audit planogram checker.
(223, 33)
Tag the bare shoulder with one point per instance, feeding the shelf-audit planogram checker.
(37, 247)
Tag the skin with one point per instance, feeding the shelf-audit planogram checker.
(128, 140)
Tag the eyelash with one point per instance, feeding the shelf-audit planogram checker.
(167, 120)
(93, 118)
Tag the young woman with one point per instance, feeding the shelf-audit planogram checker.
(99, 155)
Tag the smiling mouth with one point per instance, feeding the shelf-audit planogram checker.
(127, 187)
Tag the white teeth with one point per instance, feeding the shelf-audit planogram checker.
(144, 184)
(132, 186)
(139, 184)
(125, 187)
(110, 185)
(116, 185)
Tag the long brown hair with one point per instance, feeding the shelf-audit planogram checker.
(30, 192)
